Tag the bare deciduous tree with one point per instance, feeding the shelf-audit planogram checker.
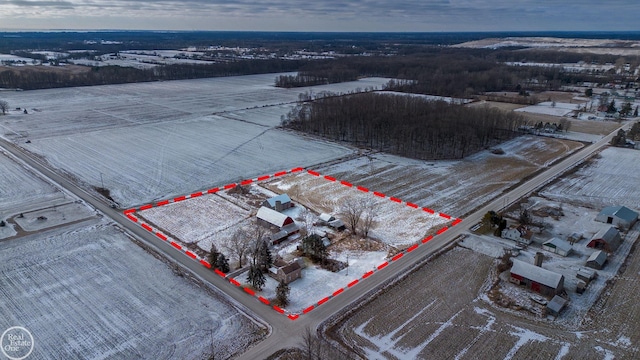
(238, 245)
(369, 217)
(4, 106)
(351, 211)
(359, 212)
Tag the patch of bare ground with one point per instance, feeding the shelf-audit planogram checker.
(496, 104)
(593, 127)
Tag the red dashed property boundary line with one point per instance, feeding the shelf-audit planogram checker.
(130, 214)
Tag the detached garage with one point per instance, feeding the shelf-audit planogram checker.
(557, 246)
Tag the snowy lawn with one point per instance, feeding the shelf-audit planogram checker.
(111, 299)
(317, 283)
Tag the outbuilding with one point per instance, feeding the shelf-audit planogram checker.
(555, 306)
(620, 216)
(557, 246)
(597, 260)
(537, 279)
(268, 217)
(278, 203)
(607, 239)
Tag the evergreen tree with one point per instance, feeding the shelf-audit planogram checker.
(213, 255)
(222, 264)
(255, 277)
(282, 293)
(612, 107)
(635, 112)
(313, 247)
(265, 260)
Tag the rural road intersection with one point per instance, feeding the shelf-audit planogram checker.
(284, 332)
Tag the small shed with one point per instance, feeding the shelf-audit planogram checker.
(620, 216)
(331, 221)
(586, 274)
(597, 260)
(278, 203)
(536, 278)
(606, 239)
(267, 216)
(557, 246)
(574, 238)
(555, 306)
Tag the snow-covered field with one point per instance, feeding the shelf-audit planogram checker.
(453, 187)
(611, 178)
(549, 108)
(395, 224)
(21, 190)
(89, 292)
(154, 140)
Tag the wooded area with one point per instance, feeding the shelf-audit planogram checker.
(405, 125)
(31, 79)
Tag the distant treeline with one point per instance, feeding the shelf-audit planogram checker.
(405, 125)
(328, 75)
(30, 79)
(465, 72)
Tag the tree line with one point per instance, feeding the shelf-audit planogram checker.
(405, 125)
(31, 79)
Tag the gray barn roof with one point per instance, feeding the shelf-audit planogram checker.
(609, 235)
(536, 273)
(283, 198)
(598, 256)
(558, 244)
(621, 212)
(556, 304)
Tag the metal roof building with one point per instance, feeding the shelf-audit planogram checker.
(608, 239)
(620, 216)
(536, 278)
(557, 246)
(273, 217)
(597, 260)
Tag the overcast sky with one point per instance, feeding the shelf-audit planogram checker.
(322, 15)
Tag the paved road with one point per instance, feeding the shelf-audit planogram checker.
(285, 332)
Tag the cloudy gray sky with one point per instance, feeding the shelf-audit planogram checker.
(322, 15)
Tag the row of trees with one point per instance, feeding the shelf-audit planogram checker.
(319, 76)
(29, 79)
(405, 125)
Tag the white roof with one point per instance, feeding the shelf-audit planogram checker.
(558, 244)
(325, 217)
(272, 217)
(536, 273)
